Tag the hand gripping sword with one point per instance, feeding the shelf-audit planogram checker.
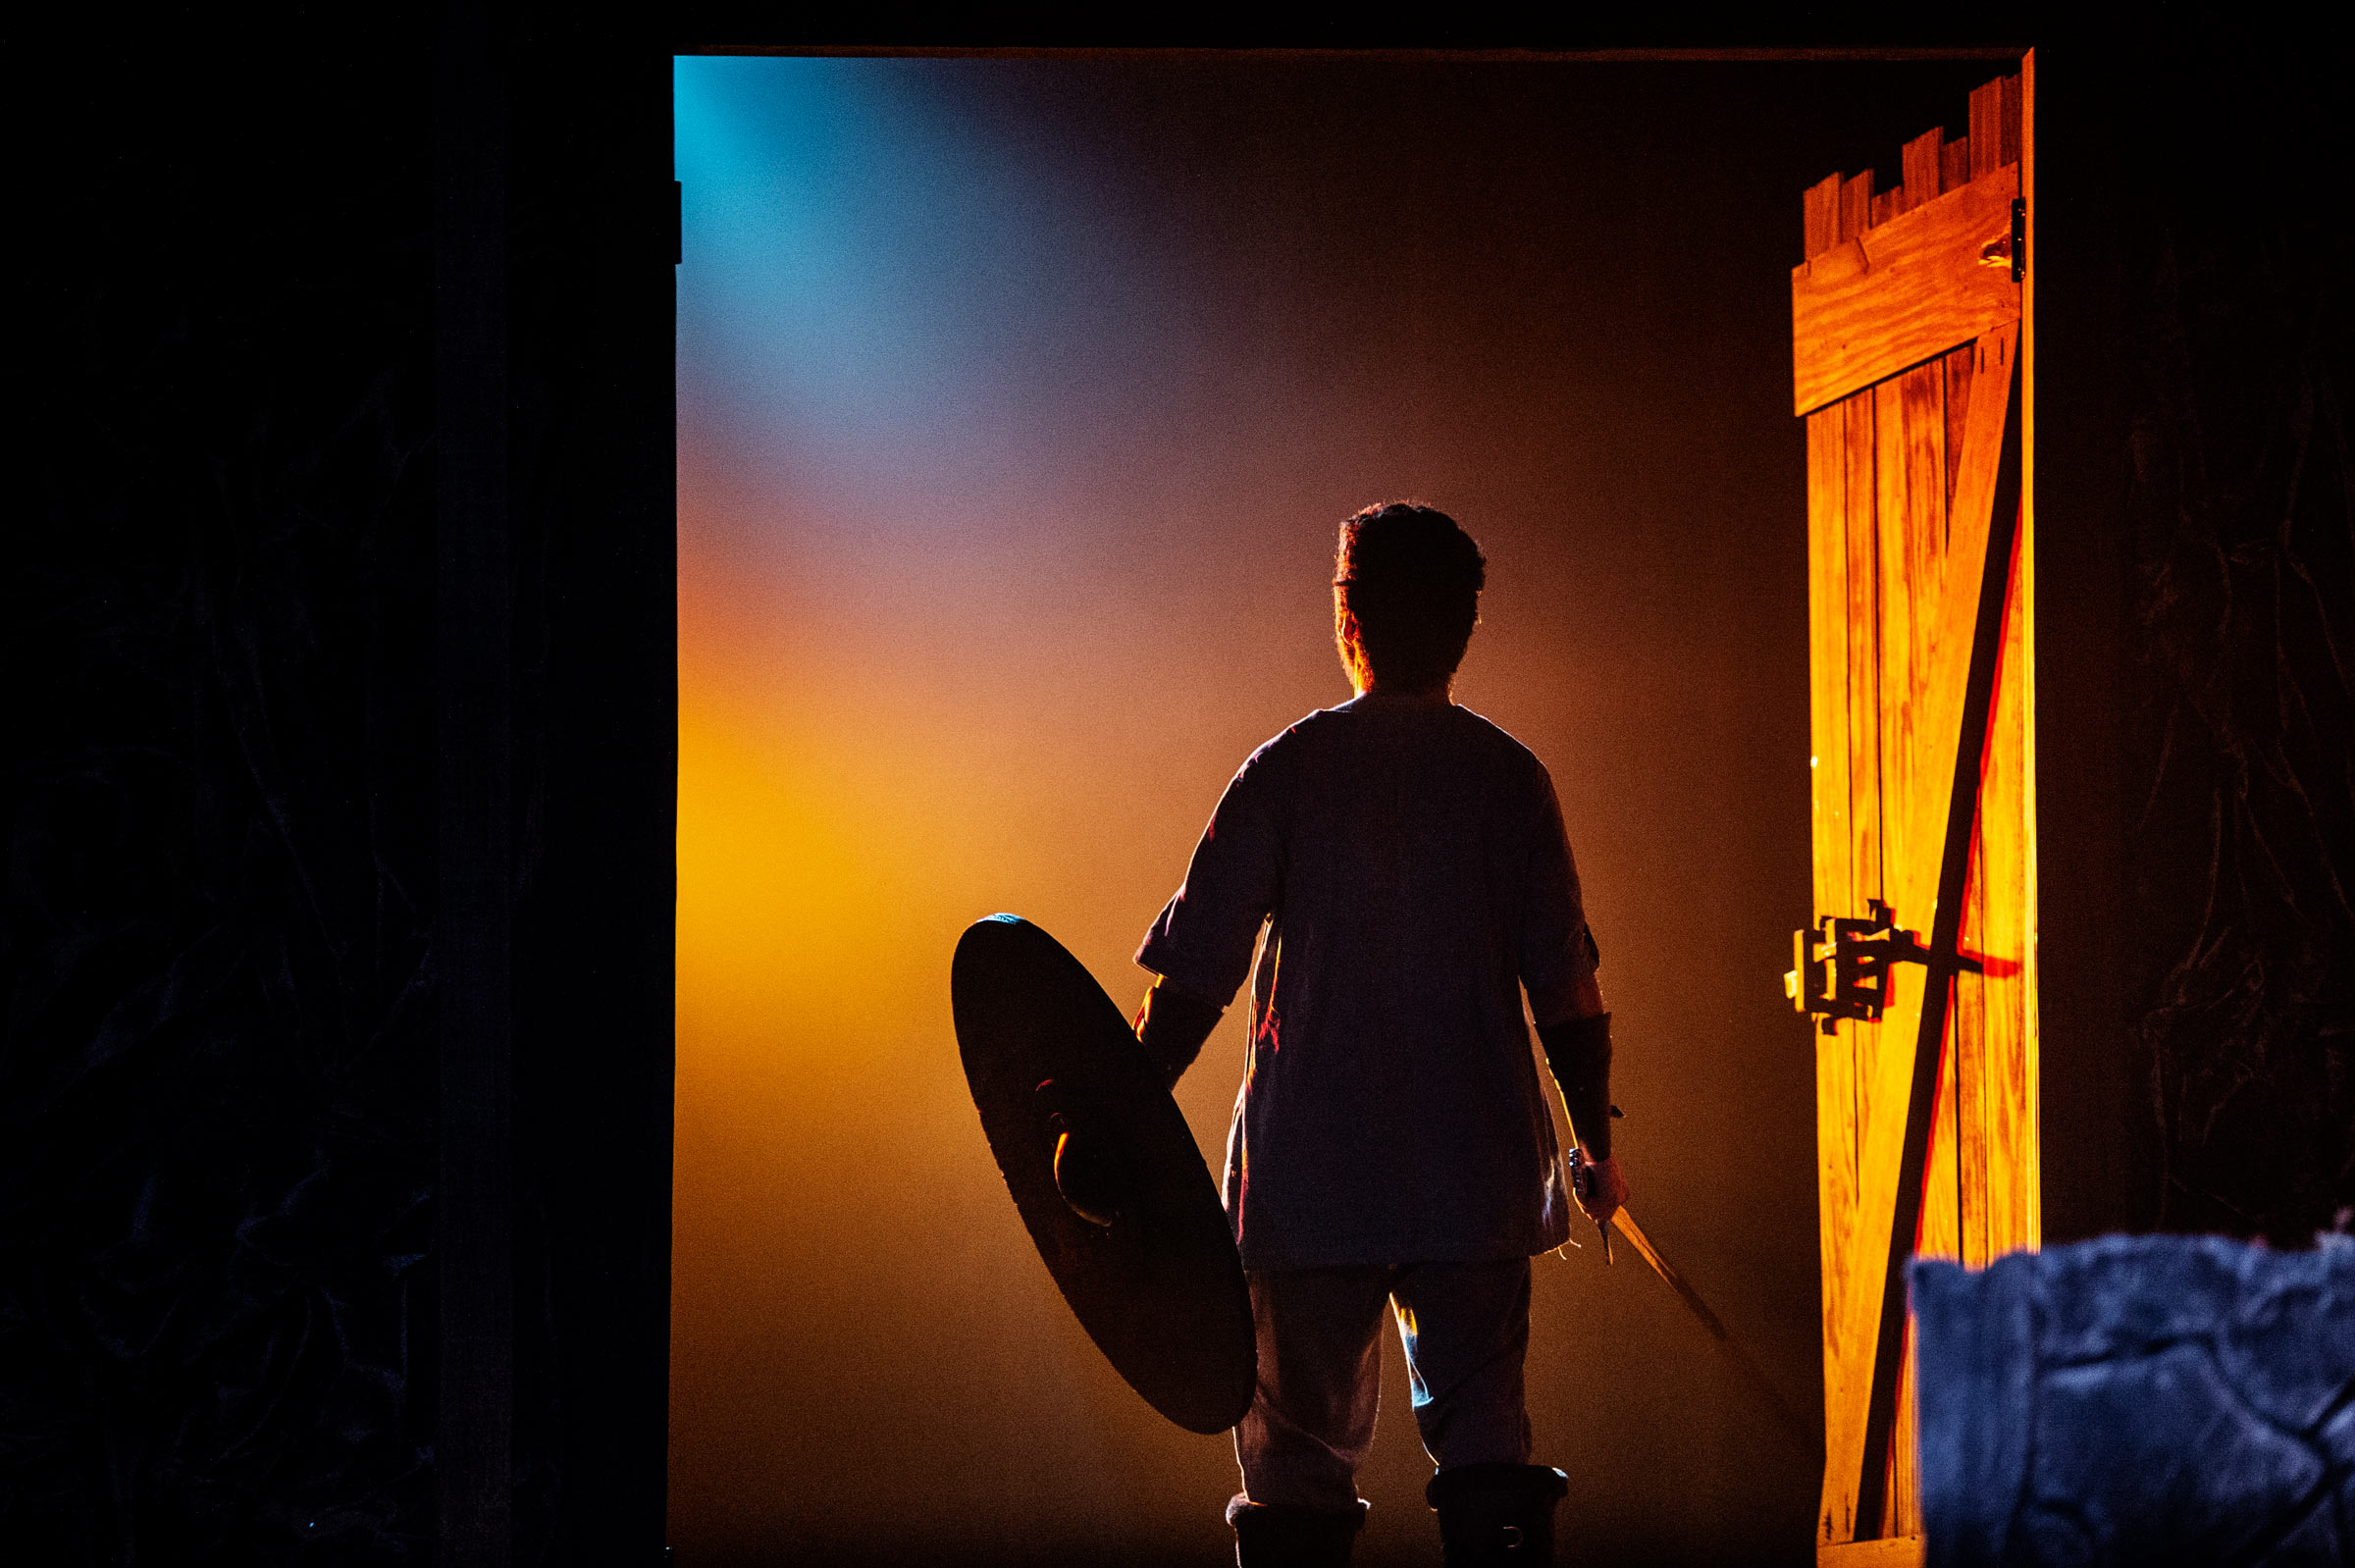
(1581, 1178)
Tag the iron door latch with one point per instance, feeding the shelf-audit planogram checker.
(1840, 967)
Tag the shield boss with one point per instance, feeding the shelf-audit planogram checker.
(1104, 1171)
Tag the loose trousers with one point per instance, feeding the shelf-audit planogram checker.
(1465, 1327)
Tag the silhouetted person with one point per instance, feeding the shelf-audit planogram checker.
(1391, 1142)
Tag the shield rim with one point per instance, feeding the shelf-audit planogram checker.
(1162, 1293)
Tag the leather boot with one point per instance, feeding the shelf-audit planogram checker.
(1274, 1535)
(1497, 1516)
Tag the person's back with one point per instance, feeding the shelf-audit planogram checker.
(1407, 857)
(1407, 860)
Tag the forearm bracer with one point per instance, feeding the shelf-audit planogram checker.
(1579, 1051)
(1171, 1027)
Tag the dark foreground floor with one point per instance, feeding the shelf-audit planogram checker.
(1140, 1555)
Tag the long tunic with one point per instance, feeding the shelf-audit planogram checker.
(1408, 864)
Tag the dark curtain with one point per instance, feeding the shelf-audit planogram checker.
(219, 1094)
(216, 1279)
(2234, 363)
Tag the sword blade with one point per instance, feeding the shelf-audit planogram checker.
(1726, 1342)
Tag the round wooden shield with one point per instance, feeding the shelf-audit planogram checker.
(1104, 1171)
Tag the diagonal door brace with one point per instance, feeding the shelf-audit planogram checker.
(1945, 960)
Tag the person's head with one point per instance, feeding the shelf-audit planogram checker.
(1405, 594)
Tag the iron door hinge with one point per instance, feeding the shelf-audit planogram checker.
(2010, 248)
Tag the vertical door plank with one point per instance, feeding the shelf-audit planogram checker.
(1953, 165)
(1828, 629)
(1855, 205)
(1986, 129)
(1970, 1061)
(1880, 1091)
(1820, 216)
(1863, 652)
(1901, 1515)
(1910, 453)
(1919, 163)
(1959, 365)
(2007, 838)
(2025, 1139)
(1896, 622)
(1847, 1365)
(1828, 648)
(1911, 473)
(1863, 656)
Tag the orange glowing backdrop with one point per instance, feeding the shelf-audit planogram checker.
(1019, 402)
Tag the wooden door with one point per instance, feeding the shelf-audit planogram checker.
(1912, 343)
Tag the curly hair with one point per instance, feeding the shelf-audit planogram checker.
(1406, 587)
